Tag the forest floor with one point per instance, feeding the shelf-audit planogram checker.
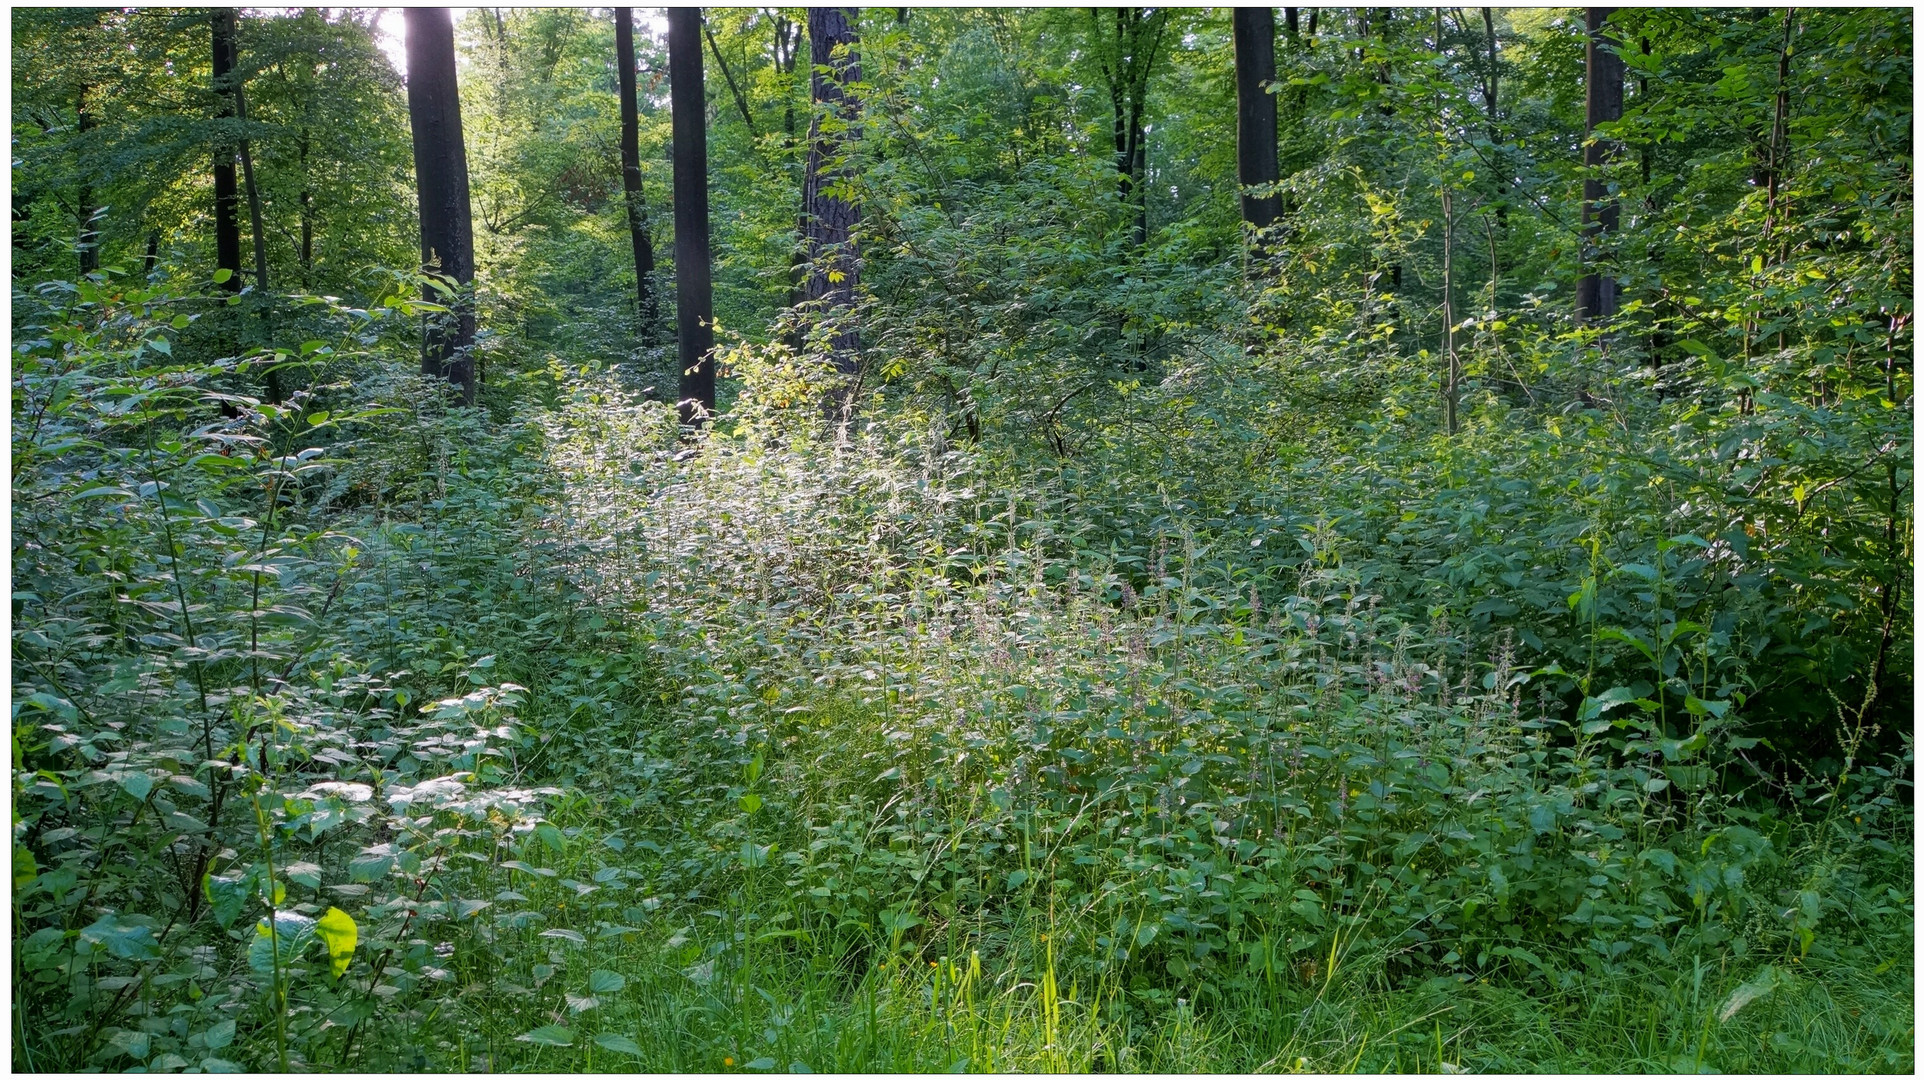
(775, 755)
(778, 743)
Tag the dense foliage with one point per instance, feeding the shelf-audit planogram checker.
(1148, 679)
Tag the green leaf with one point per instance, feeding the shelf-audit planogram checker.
(222, 275)
(137, 783)
(134, 1044)
(620, 1044)
(126, 940)
(369, 867)
(762, 1064)
(227, 894)
(606, 982)
(751, 802)
(337, 930)
(1759, 986)
(218, 1036)
(549, 1035)
(289, 936)
(1699, 707)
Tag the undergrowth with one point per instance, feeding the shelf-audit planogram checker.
(356, 732)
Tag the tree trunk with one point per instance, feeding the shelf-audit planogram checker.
(1254, 31)
(694, 294)
(1126, 62)
(829, 215)
(255, 227)
(441, 176)
(734, 88)
(89, 239)
(307, 216)
(645, 305)
(1603, 104)
(227, 254)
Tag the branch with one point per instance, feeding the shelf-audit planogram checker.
(740, 101)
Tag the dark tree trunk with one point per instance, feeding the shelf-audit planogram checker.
(255, 226)
(1603, 104)
(307, 216)
(1126, 62)
(227, 254)
(441, 176)
(828, 215)
(256, 229)
(1254, 31)
(646, 309)
(153, 253)
(694, 295)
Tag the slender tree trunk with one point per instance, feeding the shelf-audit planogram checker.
(1451, 372)
(1779, 154)
(255, 227)
(734, 88)
(227, 254)
(1490, 96)
(441, 175)
(307, 215)
(1127, 56)
(1603, 104)
(833, 260)
(273, 375)
(694, 294)
(1254, 32)
(646, 308)
(153, 254)
(88, 247)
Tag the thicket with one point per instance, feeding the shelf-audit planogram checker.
(1147, 681)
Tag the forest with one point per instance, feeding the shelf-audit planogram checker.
(924, 539)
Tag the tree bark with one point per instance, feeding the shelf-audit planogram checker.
(646, 308)
(829, 215)
(1603, 104)
(1254, 33)
(441, 176)
(694, 293)
(227, 254)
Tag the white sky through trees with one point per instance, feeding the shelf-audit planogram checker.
(390, 31)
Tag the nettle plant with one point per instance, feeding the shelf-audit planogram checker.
(230, 840)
